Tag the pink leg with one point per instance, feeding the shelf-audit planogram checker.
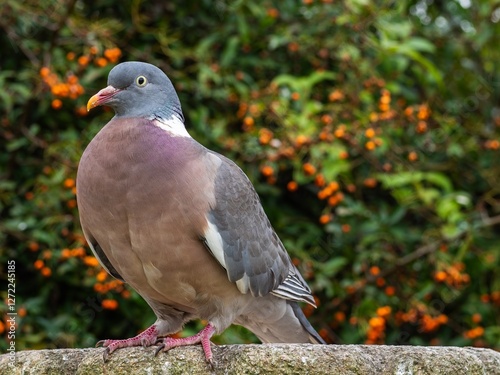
(202, 337)
(145, 338)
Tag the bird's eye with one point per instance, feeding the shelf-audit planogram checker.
(141, 81)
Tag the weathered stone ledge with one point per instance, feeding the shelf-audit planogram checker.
(260, 359)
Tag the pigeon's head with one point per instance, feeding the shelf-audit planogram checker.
(138, 89)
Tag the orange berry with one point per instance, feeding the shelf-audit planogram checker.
(339, 316)
(112, 54)
(101, 62)
(346, 228)
(390, 291)
(33, 246)
(384, 311)
(380, 282)
(374, 270)
(293, 47)
(423, 112)
(387, 167)
(292, 186)
(492, 144)
(334, 186)
(90, 261)
(476, 318)
(81, 111)
(78, 252)
(126, 294)
(442, 319)
(485, 298)
(309, 169)
(336, 95)
(412, 156)
(72, 79)
(421, 127)
(69, 183)
(323, 194)
(70, 56)
(440, 276)
(267, 171)
(339, 132)
(325, 136)
(109, 304)
(46, 271)
(295, 96)
(351, 188)
(56, 104)
(71, 203)
(333, 200)
(319, 180)
(273, 13)
(265, 136)
(271, 180)
(301, 140)
(325, 219)
(101, 276)
(495, 296)
(377, 322)
(384, 107)
(370, 145)
(374, 117)
(38, 264)
(343, 155)
(385, 99)
(60, 89)
(370, 182)
(44, 72)
(93, 50)
(326, 119)
(83, 60)
(369, 133)
(474, 333)
(22, 312)
(248, 121)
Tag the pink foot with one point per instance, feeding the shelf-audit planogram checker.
(202, 337)
(145, 338)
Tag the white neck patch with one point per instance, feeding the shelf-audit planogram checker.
(173, 125)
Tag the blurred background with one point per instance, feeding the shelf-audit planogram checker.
(370, 129)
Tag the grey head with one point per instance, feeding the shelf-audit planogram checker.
(138, 89)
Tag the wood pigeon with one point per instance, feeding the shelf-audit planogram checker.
(182, 224)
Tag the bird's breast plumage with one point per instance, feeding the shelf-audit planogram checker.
(143, 195)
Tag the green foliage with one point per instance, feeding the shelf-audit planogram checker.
(371, 132)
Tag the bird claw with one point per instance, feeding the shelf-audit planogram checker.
(105, 355)
(146, 338)
(211, 364)
(163, 348)
(202, 337)
(159, 349)
(99, 343)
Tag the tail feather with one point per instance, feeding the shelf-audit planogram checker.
(291, 326)
(314, 336)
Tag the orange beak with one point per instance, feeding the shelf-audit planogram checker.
(102, 97)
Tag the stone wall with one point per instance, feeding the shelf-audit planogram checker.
(260, 359)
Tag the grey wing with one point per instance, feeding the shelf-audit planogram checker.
(242, 239)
